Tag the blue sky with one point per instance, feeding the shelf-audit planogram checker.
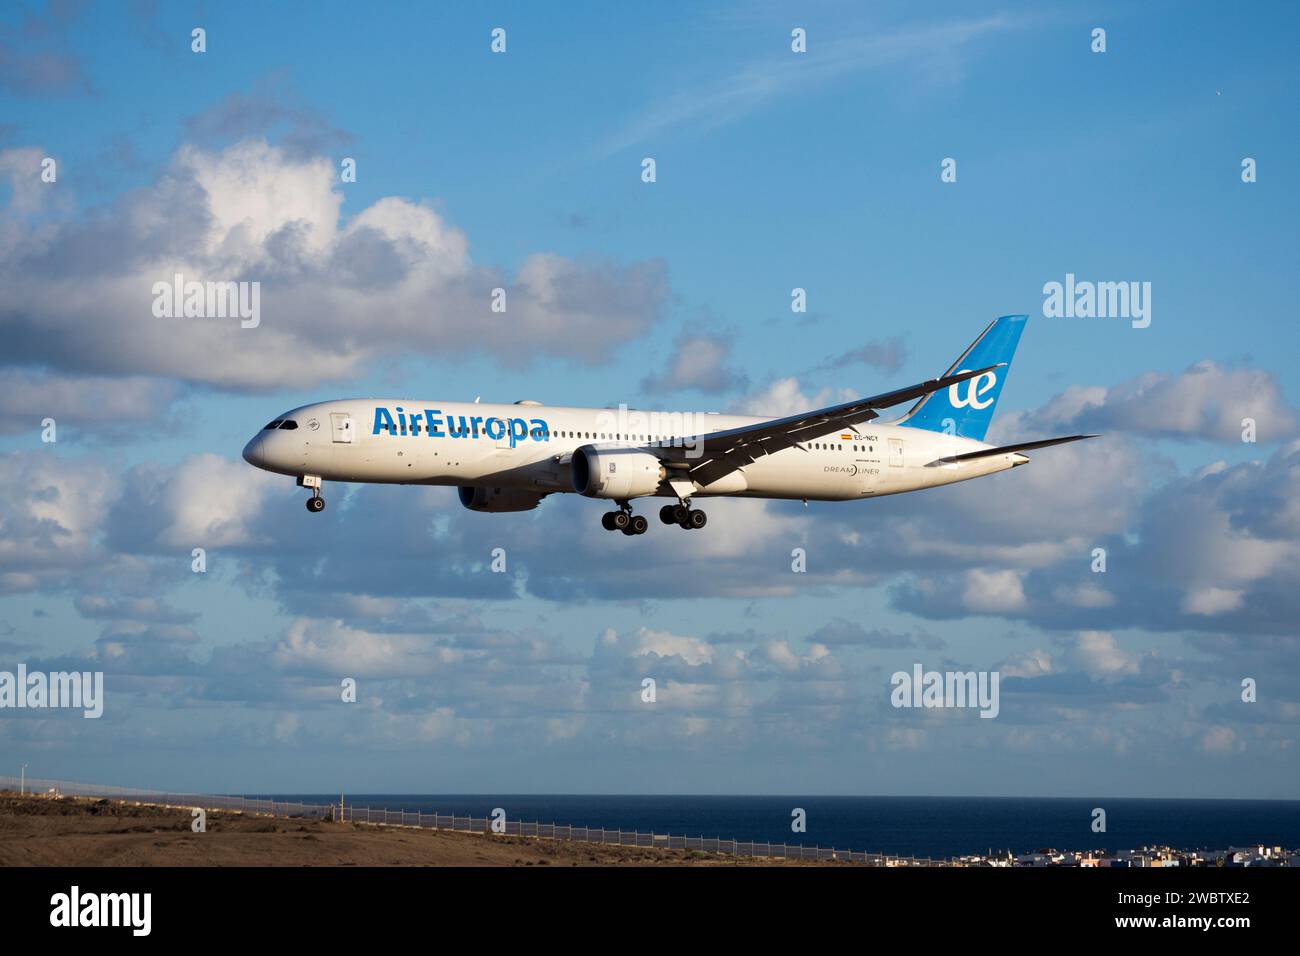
(775, 170)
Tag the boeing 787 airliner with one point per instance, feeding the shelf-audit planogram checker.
(510, 457)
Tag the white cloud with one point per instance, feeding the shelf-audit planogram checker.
(51, 509)
(213, 502)
(690, 649)
(1220, 740)
(1211, 600)
(1098, 654)
(1035, 663)
(394, 279)
(30, 397)
(993, 592)
(334, 647)
(699, 361)
(1206, 401)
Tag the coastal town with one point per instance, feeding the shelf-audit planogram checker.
(1144, 857)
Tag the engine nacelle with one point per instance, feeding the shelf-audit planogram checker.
(617, 473)
(488, 498)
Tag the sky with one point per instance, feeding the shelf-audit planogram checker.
(774, 170)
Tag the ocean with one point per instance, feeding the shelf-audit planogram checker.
(915, 826)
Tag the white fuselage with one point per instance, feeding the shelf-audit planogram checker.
(527, 447)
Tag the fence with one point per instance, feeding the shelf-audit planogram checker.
(467, 824)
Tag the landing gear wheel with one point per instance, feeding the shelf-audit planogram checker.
(638, 525)
(680, 512)
(620, 519)
(315, 504)
(607, 520)
(666, 514)
(697, 520)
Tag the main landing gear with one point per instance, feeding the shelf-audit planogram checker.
(683, 515)
(315, 504)
(623, 520)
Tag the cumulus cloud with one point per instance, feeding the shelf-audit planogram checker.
(1217, 548)
(51, 514)
(1098, 654)
(103, 404)
(993, 592)
(207, 501)
(1206, 401)
(394, 279)
(336, 648)
(699, 361)
(785, 396)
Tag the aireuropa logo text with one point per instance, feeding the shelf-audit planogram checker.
(1098, 300)
(431, 423)
(209, 300)
(76, 690)
(103, 909)
(922, 688)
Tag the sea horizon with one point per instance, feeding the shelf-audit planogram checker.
(923, 826)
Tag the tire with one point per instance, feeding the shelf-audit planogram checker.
(639, 524)
(680, 513)
(315, 504)
(698, 520)
(620, 519)
(666, 514)
(628, 530)
(607, 521)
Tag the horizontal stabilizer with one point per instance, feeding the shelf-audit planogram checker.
(1008, 449)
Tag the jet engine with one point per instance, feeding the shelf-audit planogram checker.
(488, 498)
(617, 473)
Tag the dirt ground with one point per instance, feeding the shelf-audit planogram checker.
(75, 831)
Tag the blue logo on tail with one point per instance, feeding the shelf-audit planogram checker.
(966, 409)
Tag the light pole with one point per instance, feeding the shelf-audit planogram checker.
(22, 781)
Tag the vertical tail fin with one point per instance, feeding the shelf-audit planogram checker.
(966, 409)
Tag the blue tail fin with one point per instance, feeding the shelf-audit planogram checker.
(966, 408)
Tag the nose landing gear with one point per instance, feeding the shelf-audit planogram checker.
(315, 504)
(683, 515)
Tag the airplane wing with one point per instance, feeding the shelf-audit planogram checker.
(1007, 449)
(706, 458)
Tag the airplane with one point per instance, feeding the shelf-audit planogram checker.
(507, 458)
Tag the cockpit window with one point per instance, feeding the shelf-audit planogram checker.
(275, 424)
(289, 424)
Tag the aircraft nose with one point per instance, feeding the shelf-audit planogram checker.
(254, 453)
